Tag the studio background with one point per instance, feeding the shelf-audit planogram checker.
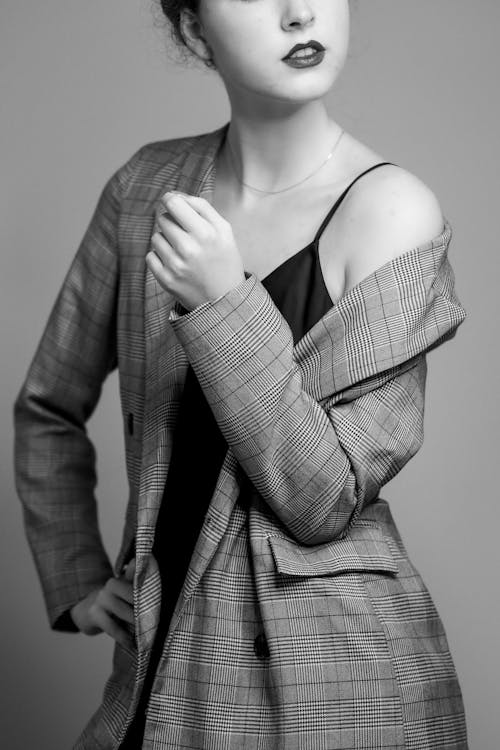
(83, 86)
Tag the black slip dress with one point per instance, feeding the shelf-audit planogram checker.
(298, 290)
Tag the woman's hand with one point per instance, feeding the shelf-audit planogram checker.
(194, 254)
(104, 609)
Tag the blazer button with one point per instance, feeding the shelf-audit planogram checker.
(260, 646)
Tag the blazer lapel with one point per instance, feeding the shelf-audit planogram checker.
(166, 362)
(165, 371)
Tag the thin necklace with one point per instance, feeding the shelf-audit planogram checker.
(296, 184)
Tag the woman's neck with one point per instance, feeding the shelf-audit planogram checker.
(274, 152)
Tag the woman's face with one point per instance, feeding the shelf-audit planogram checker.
(250, 38)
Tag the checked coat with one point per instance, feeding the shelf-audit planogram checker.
(301, 624)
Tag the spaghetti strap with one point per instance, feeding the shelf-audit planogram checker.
(339, 200)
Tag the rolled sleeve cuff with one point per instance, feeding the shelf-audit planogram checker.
(220, 306)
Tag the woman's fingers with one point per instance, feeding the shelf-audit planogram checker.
(179, 236)
(198, 261)
(110, 626)
(129, 570)
(184, 205)
(108, 609)
(123, 589)
(114, 598)
(121, 609)
(158, 269)
(117, 594)
(164, 251)
(184, 212)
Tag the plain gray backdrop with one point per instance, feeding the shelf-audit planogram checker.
(84, 84)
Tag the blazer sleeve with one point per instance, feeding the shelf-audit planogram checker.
(54, 458)
(315, 460)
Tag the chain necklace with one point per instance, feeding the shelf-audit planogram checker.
(296, 184)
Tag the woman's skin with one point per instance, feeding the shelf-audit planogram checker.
(279, 132)
(106, 609)
(280, 128)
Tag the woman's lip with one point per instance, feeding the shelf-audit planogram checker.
(305, 62)
(311, 43)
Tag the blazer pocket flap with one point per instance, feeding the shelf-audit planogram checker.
(364, 548)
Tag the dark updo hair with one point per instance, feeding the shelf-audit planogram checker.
(171, 10)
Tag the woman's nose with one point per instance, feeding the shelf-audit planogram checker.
(297, 14)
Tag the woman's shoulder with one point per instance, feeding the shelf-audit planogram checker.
(172, 146)
(389, 212)
(167, 153)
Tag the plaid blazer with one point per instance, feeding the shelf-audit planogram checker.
(302, 624)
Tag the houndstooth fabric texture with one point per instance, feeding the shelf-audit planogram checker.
(302, 624)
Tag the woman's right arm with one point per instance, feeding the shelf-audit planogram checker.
(54, 458)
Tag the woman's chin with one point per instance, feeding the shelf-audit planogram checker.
(290, 93)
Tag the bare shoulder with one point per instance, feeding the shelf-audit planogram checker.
(387, 213)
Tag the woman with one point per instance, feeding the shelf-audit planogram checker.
(262, 597)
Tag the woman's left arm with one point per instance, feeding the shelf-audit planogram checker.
(317, 455)
(315, 464)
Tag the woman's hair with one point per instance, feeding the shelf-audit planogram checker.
(172, 10)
